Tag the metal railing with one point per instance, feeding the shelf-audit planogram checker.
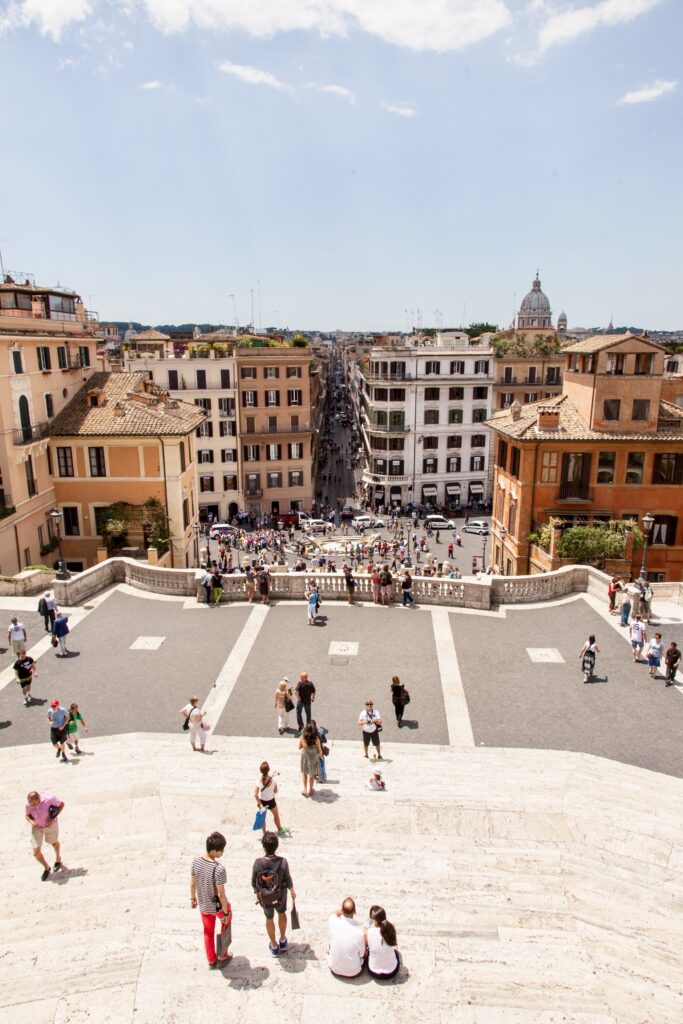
(26, 435)
(570, 491)
(253, 492)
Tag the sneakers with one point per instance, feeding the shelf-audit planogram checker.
(57, 755)
(45, 875)
(58, 865)
(274, 949)
(65, 759)
(283, 943)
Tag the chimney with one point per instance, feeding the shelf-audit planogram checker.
(548, 418)
(119, 409)
(515, 411)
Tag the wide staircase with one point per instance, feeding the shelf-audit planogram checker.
(526, 886)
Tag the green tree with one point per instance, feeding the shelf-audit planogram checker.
(474, 330)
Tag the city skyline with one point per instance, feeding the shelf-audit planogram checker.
(347, 162)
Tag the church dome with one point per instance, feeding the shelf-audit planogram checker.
(535, 308)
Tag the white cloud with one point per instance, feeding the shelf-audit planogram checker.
(563, 26)
(336, 90)
(428, 25)
(151, 85)
(252, 76)
(402, 109)
(50, 16)
(128, 45)
(649, 92)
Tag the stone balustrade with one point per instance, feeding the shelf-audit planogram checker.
(30, 581)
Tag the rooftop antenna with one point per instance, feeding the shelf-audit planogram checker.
(260, 323)
(406, 313)
(252, 308)
(2, 266)
(234, 313)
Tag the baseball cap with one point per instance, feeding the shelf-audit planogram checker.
(55, 704)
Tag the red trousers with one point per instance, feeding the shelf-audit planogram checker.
(209, 922)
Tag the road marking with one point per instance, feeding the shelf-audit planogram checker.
(454, 700)
(347, 648)
(230, 673)
(545, 655)
(147, 643)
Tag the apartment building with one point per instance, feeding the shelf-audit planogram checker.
(48, 348)
(281, 398)
(609, 447)
(205, 376)
(422, 413)
(122, 439)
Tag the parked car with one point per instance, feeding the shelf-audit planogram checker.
(348, 512)
(372, 521)
(479, 526)
(439, 523)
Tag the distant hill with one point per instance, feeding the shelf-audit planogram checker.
(123, 326)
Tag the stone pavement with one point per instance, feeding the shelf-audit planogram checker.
(527, 887)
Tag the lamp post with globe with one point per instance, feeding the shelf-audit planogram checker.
(56, 517)
(648, 522)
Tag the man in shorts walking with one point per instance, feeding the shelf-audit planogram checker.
(16, 636)
(371, 721)
(58, 717)
(25, 669)
(41, 814)
(270, 880)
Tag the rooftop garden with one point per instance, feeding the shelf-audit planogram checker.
(590, 544)
(526, 348)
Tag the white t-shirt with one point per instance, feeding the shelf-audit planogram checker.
(381, 958)
(637, 632)
(195, 714)
(347, 946)
(368, 720)
(16, 632)
(267, 792)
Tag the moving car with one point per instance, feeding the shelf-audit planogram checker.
(439, 523)
(479, 526)
(217, 529)
(372, 521)
(313, 525)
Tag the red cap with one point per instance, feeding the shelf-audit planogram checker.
(55, 703)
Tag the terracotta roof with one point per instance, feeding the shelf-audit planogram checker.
(152, 335)
(573, 427)
(128, 410)
(598, 342)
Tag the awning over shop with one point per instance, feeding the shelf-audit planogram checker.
(379, 492)
(452, 488)
(429, 490)
(476, 488)
(395, 492)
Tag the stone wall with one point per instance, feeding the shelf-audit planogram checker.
(484, 593)
(31, 581)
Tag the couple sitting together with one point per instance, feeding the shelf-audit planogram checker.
(353, 945)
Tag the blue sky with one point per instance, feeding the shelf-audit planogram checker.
(359, 158)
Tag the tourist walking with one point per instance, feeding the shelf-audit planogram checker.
(370, 721)
(349, 582)
(60, 630)
(407, 590)
(672, 658)
(624, 605)
(25, 669)
(265, 793)
(587, 657)
(16, 636)
(72, 724)
(380, 939)
(346, 957)
(57, 716)
(399, 698)
(270, 880)
(42, 813)
(311, 752)
(312, 605)
(194, 722)
(283, 704)
(305, 695)
(47, 607)
(655, 650)
(207, 891)
(638, 637)
(264, 584)
(324, 751)
(385, 584)
(216, 586)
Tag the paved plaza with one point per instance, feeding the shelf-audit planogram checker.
(528, 848)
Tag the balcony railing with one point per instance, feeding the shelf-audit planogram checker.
(26, 435)
(385, 478)
(253, 492)
(393, 428)
(574, 492)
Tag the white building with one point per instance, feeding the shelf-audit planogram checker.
(422, 413)
(209, 381)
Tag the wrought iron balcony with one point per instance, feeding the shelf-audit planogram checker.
(26, 435)
(570, 491)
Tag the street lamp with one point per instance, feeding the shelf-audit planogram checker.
(483, 552)
(648, 523)
(196, 527)
(62, 572)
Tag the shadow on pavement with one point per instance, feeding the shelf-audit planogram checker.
(241, 975)
(66, 874)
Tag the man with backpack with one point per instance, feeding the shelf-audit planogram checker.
(270, 880)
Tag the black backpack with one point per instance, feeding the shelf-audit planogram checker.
(269, 888)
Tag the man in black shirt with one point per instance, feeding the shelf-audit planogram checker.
(305, 695)
(25, 669)
(270, 880)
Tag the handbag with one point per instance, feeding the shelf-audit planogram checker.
(186, 723)
(405, 698)
(224, 940)
(289, 704)
(216, 898)
(294, 917)
(326, 751)
(54, 641)
(259, 819)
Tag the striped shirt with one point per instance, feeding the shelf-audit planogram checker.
(206, 873)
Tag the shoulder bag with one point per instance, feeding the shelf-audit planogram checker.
(186, 723)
